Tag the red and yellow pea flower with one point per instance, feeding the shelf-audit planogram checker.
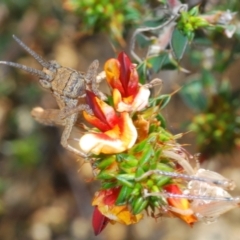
(106, 211)
(115, 131)
(128, 94)
(180, 206)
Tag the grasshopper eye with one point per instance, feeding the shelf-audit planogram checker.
(45, 83)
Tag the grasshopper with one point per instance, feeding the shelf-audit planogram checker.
(67, 86)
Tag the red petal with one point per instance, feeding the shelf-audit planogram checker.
(124, 71)
(181, 203)
(173, 188)
(133, 82)
(112, 69)
(102, 126)
(111, 196)
(99, 221)
(91, 100)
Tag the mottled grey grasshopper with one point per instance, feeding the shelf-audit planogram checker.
(67, 86)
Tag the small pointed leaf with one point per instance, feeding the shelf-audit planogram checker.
(123, 195)
(179, 42)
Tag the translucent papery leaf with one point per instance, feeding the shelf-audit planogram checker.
(180, 160)
(179, 42)
(212, 202)
(217, 201)
(215, 178)
(208, 212)
(204, 189)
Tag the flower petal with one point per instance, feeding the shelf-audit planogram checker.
(102, 126)
(105, 202)
(104, 117)
(137, 103)
(120, 214)
(116, 140)
(128, 75)
(181, 204)
(128, 132)
(100, 143)
(99, 221)
(122, 75)
(112, 70)
(209, 210)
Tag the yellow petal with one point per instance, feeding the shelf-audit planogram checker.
(120, 214)
(97, 143)
(142, 126)
(120, 138)
(128, 133)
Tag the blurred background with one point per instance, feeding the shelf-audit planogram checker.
(45, 192)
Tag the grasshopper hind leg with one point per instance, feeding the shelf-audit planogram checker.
(70, 122)
(51, 117)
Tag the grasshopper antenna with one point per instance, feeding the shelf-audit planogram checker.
(30, 70)
(32, 53)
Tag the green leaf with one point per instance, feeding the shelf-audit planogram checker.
(124, 193)
(142, 72)
(225, 89)
(137, 190)
(104, 163)
(157, 21)
(126, 176)
(162, 120)
(208, 80)
(108, 185)
(157, 62)
(126, 179)
(123, 156)
(164, 167)
(193, 95)
(179, 42)
(139, 205)
(139, 172)
(138, 147)
(105, 175)
(161, 100)
(142, 40)
(146, 155)
(163, 181)
(129, 164)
